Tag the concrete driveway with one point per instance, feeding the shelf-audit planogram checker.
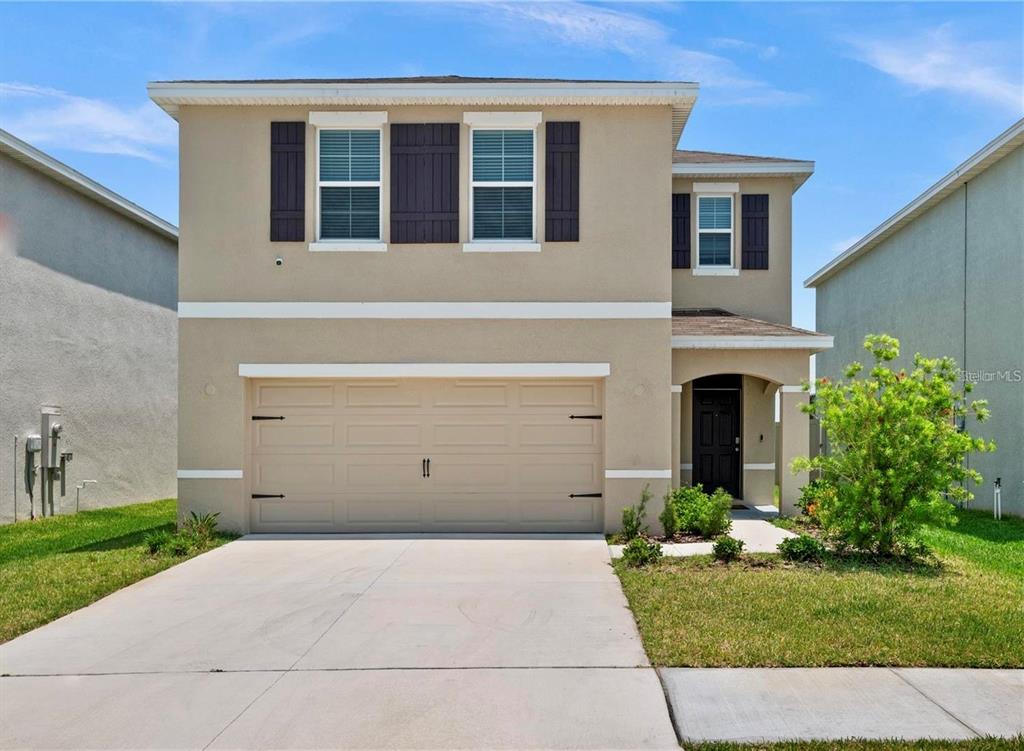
(319, 642)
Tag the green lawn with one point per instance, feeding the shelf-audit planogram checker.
(980, 744)
(965, 610)
(50, 567)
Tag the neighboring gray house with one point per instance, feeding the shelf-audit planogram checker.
(945, 275)
(88, 290)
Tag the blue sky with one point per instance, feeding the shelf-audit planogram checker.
(886, 98)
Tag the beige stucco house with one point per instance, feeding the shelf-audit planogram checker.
(461, 304)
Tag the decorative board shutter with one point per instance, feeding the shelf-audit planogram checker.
(287, 182)
(425, 183)
(680, 230)
(755, 231)
(562, 182)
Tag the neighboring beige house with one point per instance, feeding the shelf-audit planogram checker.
(88, 288)
(463, 304)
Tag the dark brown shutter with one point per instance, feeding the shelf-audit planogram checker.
(680, 230)
(287, 182)
(562, 182)
(755, 231)
(425, 183)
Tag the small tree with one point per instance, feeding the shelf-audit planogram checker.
(896, 454)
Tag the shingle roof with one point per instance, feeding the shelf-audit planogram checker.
(723, 323)
(418, 79)
(719, 157)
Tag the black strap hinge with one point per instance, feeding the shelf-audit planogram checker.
(268, 417)
(268, 495)
(586, 417)
(585, 495)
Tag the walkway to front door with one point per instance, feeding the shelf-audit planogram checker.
(408, 642)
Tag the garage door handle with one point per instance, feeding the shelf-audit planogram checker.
(268, 495)
(428, 467)
(586, 417)
(585, 495)
(268, 417)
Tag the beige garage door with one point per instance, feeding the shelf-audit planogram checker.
(426, 456)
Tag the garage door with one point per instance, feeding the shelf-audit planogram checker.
(424, 455)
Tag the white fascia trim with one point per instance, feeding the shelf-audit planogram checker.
(501, 247)
(428, 310)
(44, 163)
(755, 466)
(348, 119)
(209, 474)
(973, 166)
(791, 389)
(677, 388)
(638, 474)
(427, 370)
(348, 247)
(502, 119)
(713, 271)
(743, 168)
(752, 342)
(716, 187)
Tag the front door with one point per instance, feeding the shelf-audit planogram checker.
(716, 436)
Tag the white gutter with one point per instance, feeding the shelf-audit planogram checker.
(32, 157)
(981, 160)
(705, 169)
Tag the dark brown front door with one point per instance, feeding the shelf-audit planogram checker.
(716, 435)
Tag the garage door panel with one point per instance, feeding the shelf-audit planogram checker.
(383, 472)
(383, 510)
(284, 394)
(378, 433)
(469, 473)
(547, 510)
(470, 510)
(471, 432)
(456, 394)
(386, 394)
(572, 474)
(560, 434)
(294, 432)
(306, 474)
(558, 394)
(292, 512)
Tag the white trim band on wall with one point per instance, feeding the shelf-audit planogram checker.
(209, 474)
(426, 370)
(686, 467)
(791, 389)
(767, 465)
(638, 474)
(677, 388)
(428, 310)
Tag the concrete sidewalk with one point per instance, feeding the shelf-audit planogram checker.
(770, 704)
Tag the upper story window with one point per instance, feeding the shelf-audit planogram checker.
(714, 231)
(502, 184)
(348, 184)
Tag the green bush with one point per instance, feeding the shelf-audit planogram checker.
(669, 520)
(201, 527)
(897, 455)
(802, 548)
(698, 513)
(155, 542)
(727, 548)
(634, 518)
(640, 552)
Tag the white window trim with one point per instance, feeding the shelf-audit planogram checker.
(350, 121)
(700, 269)
(503, 121)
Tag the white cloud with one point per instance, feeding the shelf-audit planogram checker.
(765, 52)
(642, 39)
(50, 117)
(937, 61)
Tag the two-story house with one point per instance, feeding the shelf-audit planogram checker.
(465, 304)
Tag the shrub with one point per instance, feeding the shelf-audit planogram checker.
(727, 548)
(802, 548)
(669, 520)
(201, 527)
(634, 518)
(157, 541)
(896, 454)
(813, 494)
(180, 545)
(698, 513)
(640, 552)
